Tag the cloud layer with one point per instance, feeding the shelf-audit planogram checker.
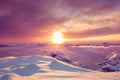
(76, 18)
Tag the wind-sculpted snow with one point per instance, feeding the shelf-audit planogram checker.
(28, 70)
(47, 68)
(60, 56)
(59, 66)
(50, 62)
(112, 62)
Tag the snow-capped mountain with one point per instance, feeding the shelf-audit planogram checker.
(112, 62)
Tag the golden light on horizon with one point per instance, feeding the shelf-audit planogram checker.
(58, 38)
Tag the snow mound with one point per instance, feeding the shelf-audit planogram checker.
(47, 68)
(112, 62)
(31, 65)
(27, 70)
(56, 65)
(60, 56)
(5, 77)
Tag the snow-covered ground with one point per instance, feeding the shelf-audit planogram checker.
(47, 68)
(112, 62)
(50, 62)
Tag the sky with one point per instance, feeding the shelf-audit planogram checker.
(37, 20)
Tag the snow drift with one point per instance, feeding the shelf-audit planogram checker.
(112, 62)
(47, 68)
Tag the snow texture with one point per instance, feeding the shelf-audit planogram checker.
(112, 62)
(47, 68)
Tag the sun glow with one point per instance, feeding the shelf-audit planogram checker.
(58, 37)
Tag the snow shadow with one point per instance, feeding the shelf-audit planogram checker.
(24, 66)
(28, 70)
(5, 77)
(22, 60)
(59, 66)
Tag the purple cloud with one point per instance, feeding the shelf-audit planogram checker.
(94, 32)
(33, 18)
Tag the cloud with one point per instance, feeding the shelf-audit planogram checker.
(39, 18)
(94, 32)
(93, 6)
(26, 18)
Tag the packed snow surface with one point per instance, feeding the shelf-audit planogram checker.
(112, 62)
(47, 68)
(48, 62)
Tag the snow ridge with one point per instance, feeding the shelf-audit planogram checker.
(112, 62)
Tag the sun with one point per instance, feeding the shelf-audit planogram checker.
(58, 37)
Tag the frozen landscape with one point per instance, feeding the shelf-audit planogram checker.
(59, 39)
(52, 62)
